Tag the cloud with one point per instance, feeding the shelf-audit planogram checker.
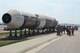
(62, 10)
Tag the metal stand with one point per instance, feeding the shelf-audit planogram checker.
(20, 33)
(33, 33)
(25, 32)
(15, 35)
(29, 31)
(10, 35)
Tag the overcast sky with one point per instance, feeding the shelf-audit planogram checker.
(65, 11)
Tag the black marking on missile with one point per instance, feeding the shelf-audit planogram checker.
(6, 18)
(25, 19)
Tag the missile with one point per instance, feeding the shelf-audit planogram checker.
(15, 19)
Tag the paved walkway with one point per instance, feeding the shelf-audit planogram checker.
(67, 44)
(21, 47)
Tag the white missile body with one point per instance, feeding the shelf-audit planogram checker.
(17, 20)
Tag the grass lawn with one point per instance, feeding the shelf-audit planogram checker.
(7, 42)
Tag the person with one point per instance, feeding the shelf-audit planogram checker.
(58, 28)
(68, 30)
(76, 27)
(72, 30)
(61, 30)
(64, 28)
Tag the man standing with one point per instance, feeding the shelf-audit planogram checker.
(58, 28)
(68, 30)
(72, 30)
(64, 28)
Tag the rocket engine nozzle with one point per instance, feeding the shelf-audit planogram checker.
(6, 18)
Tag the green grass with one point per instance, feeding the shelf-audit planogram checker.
(7, 42)
(2, 33)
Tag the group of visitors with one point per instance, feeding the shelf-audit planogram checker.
(62, 29)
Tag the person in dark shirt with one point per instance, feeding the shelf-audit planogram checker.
(64, 28)
(68, 30)
(72, 30)
(58, 28)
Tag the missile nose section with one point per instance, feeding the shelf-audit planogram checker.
(6, 18)
(13, 19)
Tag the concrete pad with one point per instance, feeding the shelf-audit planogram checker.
(36, 49)
(21, 47)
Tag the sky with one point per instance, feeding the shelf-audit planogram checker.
(65, 11)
